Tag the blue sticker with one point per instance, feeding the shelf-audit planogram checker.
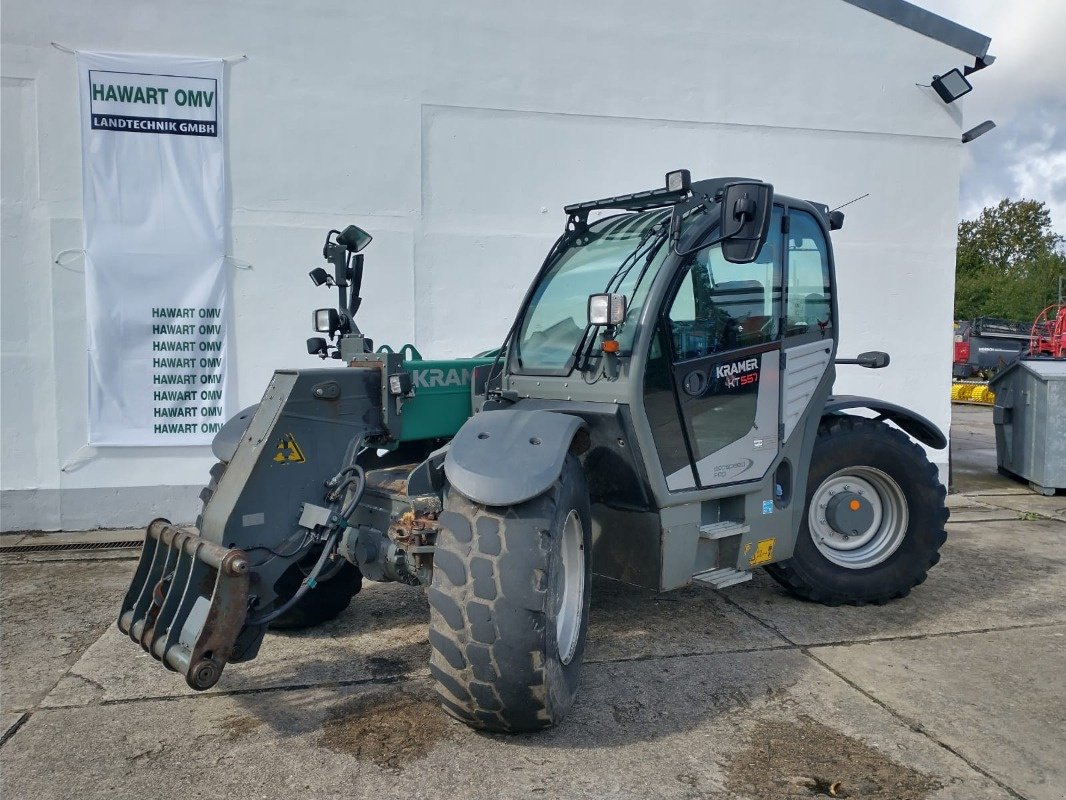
(768, 506)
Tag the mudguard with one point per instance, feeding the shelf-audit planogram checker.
(915, 424)
(224, 445)
(505, 457)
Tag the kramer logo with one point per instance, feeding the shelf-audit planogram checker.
(738, 373)
(135, 102)
(430, 378)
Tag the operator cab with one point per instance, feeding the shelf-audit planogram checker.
(712, 302)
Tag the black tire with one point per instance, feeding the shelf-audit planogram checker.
(323, 603)
(496, 590)
(846, 442)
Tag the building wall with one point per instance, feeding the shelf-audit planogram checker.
(455, 134)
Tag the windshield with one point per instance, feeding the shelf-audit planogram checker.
(620, 254)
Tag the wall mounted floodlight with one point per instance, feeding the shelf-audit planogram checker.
(979, 130)
(951, 86)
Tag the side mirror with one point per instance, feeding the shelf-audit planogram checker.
(873, 359)
(319, 277)
(746, 208)
(354, 239)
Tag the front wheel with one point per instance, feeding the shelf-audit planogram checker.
(509, 605)
(874, 519)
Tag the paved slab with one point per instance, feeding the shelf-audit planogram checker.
(384, 634)
(997, 698)
(992, 575)
(973, 453)
(1054, 507)
(970, 508)
(50, 616)
(683, 728)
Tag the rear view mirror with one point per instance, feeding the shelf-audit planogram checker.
(746, 208)
(873, 359)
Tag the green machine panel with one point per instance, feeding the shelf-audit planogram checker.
(442, 397)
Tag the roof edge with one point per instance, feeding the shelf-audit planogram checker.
(928, 24)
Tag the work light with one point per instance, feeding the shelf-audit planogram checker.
(327, 320)
(678, 181)
(607, 309)
(400, 384)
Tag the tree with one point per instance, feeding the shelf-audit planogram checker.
(1008, 262)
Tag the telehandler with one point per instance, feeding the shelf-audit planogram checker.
(660, 412)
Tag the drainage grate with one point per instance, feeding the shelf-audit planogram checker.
(45, 548)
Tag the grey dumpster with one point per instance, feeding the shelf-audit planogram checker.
(1030, 420)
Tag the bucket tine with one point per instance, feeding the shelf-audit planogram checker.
(187, 602)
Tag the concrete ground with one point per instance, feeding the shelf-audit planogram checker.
(957, 691)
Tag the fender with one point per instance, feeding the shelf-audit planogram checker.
(505, 457)
(915, 424)
(224, 445)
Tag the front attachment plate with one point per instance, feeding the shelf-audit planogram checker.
(187, 602)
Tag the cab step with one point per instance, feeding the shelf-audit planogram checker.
(723, 530)
(721, 578)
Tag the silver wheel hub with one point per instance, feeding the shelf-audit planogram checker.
(571, 603)
(858, 517)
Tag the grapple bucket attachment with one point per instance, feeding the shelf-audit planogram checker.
(187, 602)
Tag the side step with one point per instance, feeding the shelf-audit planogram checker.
(721, 578)
(723, 530)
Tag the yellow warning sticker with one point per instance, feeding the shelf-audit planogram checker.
(288, 452)
(764, 551)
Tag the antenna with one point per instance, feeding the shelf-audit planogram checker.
(857, 199)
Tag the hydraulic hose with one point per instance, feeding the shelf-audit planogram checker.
(305, 586)
(312, 578)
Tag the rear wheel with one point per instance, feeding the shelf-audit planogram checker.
(323, 603)
(874, 517)
(509, 606)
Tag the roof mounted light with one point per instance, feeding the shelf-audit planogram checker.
(951, 86)
(678, 181)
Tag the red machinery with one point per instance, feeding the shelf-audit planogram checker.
(1048, 334)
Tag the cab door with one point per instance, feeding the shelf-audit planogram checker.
(712, 389)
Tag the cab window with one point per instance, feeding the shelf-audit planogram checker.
(722, 306)
(808, 300)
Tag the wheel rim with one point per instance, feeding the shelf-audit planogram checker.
(876, 541)
(572, 594)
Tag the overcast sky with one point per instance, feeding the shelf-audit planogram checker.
(1024, 92)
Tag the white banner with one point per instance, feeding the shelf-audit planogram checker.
(153, 171)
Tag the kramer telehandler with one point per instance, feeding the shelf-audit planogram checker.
(660, 412)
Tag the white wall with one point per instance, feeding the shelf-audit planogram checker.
(455, 133)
